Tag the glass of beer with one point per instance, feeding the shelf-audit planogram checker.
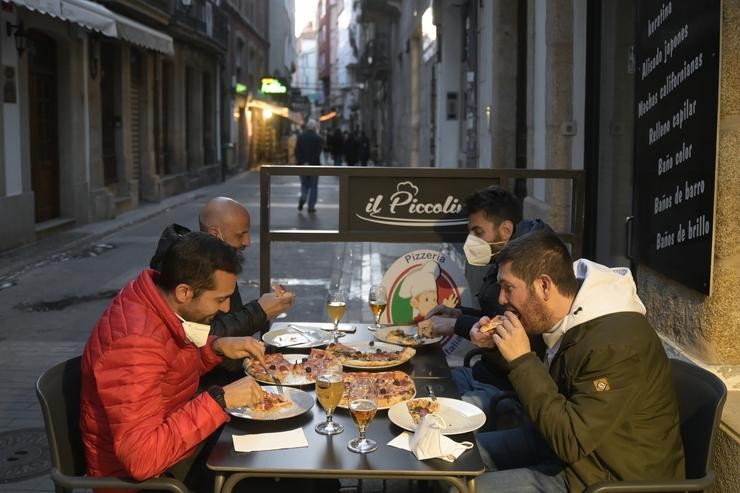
(377, 298)
(363, 404)
(329, 390)
(336, 305)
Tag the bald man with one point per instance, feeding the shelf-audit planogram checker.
(228, 220)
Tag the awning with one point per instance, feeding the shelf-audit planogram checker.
(141, 35)
(97, 18)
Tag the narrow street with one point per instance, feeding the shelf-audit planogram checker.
(55, 293)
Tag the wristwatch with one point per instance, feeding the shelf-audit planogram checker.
(218, 395)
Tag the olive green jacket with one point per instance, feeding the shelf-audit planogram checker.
(607, 406)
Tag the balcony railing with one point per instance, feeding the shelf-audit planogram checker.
(205, 18)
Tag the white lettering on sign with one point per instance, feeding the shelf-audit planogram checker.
(404, 207)
(665, 10)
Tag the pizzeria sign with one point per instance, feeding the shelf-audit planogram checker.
(419, 203)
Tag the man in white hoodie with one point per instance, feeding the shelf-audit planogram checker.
(602, 403)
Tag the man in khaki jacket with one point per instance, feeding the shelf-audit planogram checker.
(602, 403)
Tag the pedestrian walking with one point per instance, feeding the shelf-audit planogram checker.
(351, 149)
(308, 151)
(364, 146)
(336, 145)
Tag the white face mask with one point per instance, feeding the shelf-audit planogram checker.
(478, 251)
(195, 332)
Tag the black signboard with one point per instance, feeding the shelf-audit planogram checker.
(419, 204)
(677, 50)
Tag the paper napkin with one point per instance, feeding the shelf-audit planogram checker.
(429, 443)
(270, 441)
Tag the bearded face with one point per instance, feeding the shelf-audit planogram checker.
(525, 301)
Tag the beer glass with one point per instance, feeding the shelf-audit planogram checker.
(336, 305)
(363, 404)
(376, 298)
(329, 390)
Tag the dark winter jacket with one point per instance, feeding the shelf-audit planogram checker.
(242, 319)
(607, 406)
(308, 148)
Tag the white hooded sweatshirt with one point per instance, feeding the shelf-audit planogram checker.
(603, 291)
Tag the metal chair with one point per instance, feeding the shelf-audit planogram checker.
(58, 391)
(701, 396)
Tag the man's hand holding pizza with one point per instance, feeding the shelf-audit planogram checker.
(510, 337)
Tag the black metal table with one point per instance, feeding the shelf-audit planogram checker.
(328, 456)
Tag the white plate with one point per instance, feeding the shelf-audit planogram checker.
(293, 379)
(302, 402)
(368, 347)
(287, 337)
(460, 416)
(382, 334)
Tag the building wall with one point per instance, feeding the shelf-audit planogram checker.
(448, 81)
(282, 40)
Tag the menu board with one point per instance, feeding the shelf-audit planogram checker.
(676, 90)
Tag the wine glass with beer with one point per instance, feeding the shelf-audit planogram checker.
(329, 390)
(336, 305)
(363, 404)
(377, 298)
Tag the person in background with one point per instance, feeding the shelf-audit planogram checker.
(308, 151)
(601, 402)
(364, 146)
(336, 144)
(351, 148)
(140, 414)
(494, 218)
(229, 221)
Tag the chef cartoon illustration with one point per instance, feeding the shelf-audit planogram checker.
(420, 288)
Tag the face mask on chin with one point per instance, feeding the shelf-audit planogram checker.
(195, 332)
(479, 252)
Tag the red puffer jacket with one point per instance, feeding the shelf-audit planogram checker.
(139, 376)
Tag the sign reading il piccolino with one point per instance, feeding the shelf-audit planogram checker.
(418, 204)
(676, 90)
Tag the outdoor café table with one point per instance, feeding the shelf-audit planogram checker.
(328, 456)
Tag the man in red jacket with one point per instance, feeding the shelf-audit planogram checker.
(141, 365)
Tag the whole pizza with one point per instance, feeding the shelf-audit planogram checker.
(391, 386)
(371, 355)
(298, 370)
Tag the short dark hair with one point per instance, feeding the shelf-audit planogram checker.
(193, 258)
(541, 252)
(496, 203)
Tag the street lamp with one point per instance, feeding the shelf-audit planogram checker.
(20, 36)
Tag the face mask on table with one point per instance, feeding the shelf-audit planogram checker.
(479, 252)
(195, 332)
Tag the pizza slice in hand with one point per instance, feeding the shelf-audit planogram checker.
(492, 324)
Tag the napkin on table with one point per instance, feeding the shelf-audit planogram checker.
(270, 441)
(428, 442)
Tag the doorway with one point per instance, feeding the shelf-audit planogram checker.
(608, 152)
(43, 125)
(110, 120)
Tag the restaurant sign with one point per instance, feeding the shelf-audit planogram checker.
(403, 204)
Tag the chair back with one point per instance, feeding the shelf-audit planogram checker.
(701, 396)
(58, 391)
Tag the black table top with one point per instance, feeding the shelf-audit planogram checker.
(328, 455)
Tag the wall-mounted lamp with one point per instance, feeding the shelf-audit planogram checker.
(21, 39)
(186, 3)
